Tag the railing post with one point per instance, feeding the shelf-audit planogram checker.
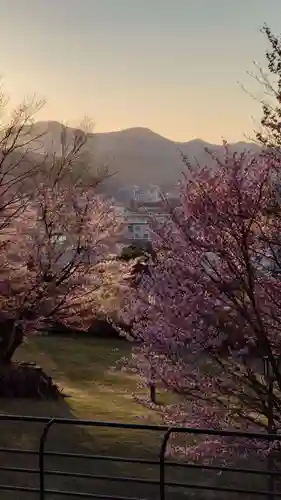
(42, 458)
(162, 463)
(270, 424)
(271, 430)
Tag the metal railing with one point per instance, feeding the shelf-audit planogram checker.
(162, 464)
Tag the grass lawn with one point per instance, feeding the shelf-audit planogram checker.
(85, 370)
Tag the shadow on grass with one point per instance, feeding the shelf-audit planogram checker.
(69, 439)
(97, 392)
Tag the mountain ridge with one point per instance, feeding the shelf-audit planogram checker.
(145, 131)
(137, 156)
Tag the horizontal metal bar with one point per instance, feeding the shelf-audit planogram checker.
(102, 477)
(124, 478)
(224, 489)
(18, 451)
(221, 468)
(88, 495)
(142, 461)
(18, 469)
(78, 494)
(26, 418)
(79, 456)
(93, 423)
(164, 428)
(104, 458)
(25, 489)
(83, 475)
(173, 484)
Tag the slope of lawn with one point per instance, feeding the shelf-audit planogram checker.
(97, 389)
(88, 372)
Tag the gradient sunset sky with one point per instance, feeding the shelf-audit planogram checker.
(170, 65)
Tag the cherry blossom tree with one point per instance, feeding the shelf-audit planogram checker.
(208, 310)
(52, 246)
(18, 162)
(18, 158)
(269, 134)
(55, 231)
(52, 257)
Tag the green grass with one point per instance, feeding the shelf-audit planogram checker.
(86, 371)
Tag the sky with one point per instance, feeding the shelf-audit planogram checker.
(174, 66)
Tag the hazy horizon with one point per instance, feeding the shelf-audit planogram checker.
(141, 129)
(171, 67)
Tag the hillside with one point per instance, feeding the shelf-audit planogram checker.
(137, 156)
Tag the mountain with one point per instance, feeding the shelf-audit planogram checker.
(137, 156)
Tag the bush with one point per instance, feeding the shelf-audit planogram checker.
(137, 249)
(101, 327)
(26, 380)
(61, 330)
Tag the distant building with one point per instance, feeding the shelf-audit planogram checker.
(137, 226)
(138, 220)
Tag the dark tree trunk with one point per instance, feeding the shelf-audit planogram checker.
(152, 392)
(21, 380)
(11, 337)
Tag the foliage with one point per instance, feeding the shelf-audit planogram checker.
(136, 250)
(269, 135)
(54, 232)
(138, 255)
(60, 237)
(208, 310)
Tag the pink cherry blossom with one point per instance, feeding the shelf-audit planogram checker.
(209, 308)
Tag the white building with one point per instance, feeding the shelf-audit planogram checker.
(139, 218)
(137, 226)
